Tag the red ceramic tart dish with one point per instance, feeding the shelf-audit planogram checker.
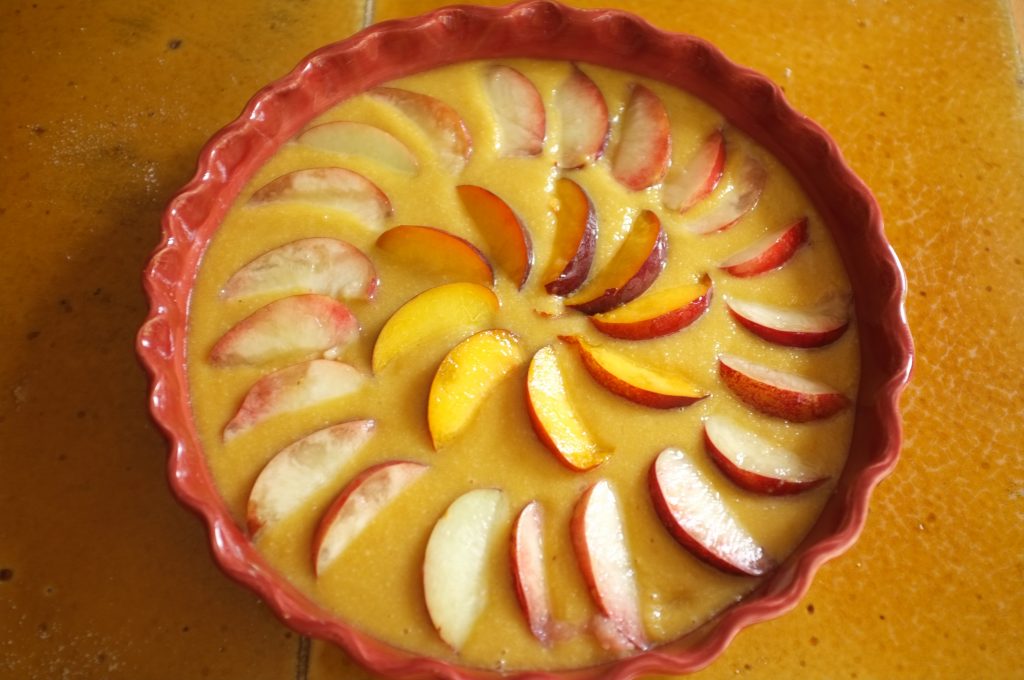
(537, 30)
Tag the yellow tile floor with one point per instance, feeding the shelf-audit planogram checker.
(103, 107)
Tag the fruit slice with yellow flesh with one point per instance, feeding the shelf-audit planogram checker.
(575, 240)
(636, 382)
(438, 252)
(554, 419)
(631, 271)
(446, 313)
(464, 379)
(657, 314)
(508, 242)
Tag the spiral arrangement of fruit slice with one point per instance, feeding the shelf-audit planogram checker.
(307, 325)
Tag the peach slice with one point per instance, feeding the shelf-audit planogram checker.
(575, 241)
(361, 139)
(299, 470)
(790, 327)
(735, 202)
(438, 252)
(642, 155)
(779, 394)
(695, 515)
(768, 253)
(507, 239)
(584, 116)
(638, 383)
(600, 544)
(687, 185)
(631, 271)
(465, 377)
(519, 112)
(337, 188)
(657, 314)
(459, 549)
(554, 419)
(447, 312)
(441, 123)
(528, 571)
(357, 505)
(295, 327)
(311, 265)
(293, 388)
(754, 463)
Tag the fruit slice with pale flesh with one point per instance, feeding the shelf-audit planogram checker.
(361, 139)
(507, 239)
(294, 327)
(291, 389)
(599, 540)
(441, 123)
(575, 242)
(336, 188)
(642, 154)
(469, 373)
(754, 463)
(357, 505)
(437, 252)
(518, 111)
(777, 393)
(686, 185)
(455, 567)
(697, 517)
(657, 314)
(311, 265)
(554, 419)
(451, 311)
(301, 469)
(738, 199)
(768, 253)
(584, 120)
(631, 271)
(529, 572)
(640, 384)
(790, 327)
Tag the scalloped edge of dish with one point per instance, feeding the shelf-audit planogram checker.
(609, 38)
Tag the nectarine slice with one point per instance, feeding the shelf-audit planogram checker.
(529, 571)
(461, 545)
(337, 188)
(311, 265)
(692, 182)
(631, 271)
(768, 253)
(518, 111)
(790, 327)
(357, 505)
(575, 241)
(447, 312)
(507, 239)
(470, 371)
(695, 515)
(437, 252)
(641, 157)
(361, 139)
(630, 380)
(777, 393)
(657, 314)
(296, 327)
(293, 389)
(584, 120)
(441, 123)
(726, 207)
(299, 470)
(554, 419)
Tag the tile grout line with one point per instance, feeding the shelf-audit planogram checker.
(369, 9)
(302, 659)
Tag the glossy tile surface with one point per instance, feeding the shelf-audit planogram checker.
(103, 108)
